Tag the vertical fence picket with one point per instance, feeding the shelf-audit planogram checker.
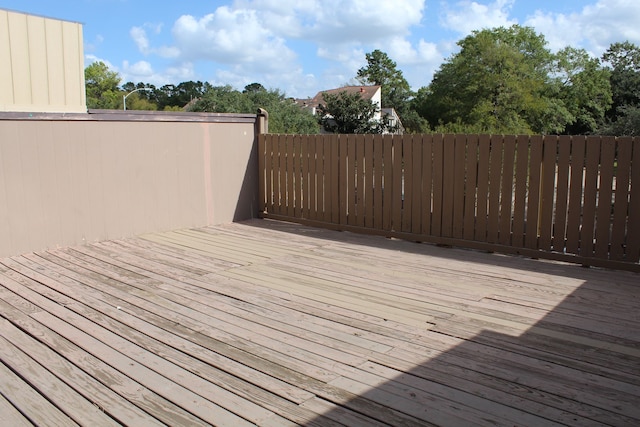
(351, 180)
(427, 187)
(576, 190)
(282, 176)
(272, 151)
(396, 215)
(533, 199)
(360, 180)
(262, 172)
(470, 187)
(590, 196)
(605, 197)
(484, 145)
(289, 193)
(343, 183)
(369, 185)
(547, 190)
(324, 162)
(328, 178)
(416, 191)
(313, 177)
(304, 180)
(448, 180)
(297, 176)
(562, 193)
(335, 180)
(387, 181)
(633, 230)
(407, 183)
(520, 190)
(495, 173)
(506, 195)
(292, 176)
(621, 203)
(459, 178)
(378, 161)
(438, 158)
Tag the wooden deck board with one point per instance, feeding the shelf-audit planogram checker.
(274, 324)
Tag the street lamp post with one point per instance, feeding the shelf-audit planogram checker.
(124, 97)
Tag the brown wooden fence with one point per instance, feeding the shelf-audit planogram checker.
(569, 198)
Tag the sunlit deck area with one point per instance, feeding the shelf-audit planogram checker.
(272, 323)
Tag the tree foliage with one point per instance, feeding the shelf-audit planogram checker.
(496, 83)
(583, 86)
(505, 80)
(101, 86)
(382, 71)
(624, 114)
(284, 115)
(350, 113)
(502, 80)
(396, 92)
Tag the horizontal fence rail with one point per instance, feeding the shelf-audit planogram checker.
(568, 198)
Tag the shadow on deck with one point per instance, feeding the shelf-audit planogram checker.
(578, 365)
(272, 323)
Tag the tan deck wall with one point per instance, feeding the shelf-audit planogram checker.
(70, 179)
(41, 64)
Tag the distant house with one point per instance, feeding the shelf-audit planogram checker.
(394, 120)
(371, 93)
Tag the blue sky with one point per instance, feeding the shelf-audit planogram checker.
(304, 46)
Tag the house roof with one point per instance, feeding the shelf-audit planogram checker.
(367, 92)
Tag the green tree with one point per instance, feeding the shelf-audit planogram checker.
(137, 101)
(627, 122)
(284, 115)
(624, 62)
(254, 88)
(583, 85)
(180, 95)
(496, 83)
(350, 113)
(101, 85)
(624, 115)
(395, 90)
(221, 99)
(142, 99)
(382, 71)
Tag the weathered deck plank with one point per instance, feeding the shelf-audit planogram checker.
(268, 323)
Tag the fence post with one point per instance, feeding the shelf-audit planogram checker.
(262, 121)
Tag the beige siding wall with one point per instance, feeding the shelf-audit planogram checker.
(41, 64)
(65, 182)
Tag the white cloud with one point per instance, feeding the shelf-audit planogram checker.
(595, 27)
(139, 36)
(90, 59)
(293, 82)
(141, 39)
(140, 68)
(468, 16)
(231, 37)
(253, 40)
(363, 21)
(143, 71)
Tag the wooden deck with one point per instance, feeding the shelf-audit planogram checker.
(278, 324)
